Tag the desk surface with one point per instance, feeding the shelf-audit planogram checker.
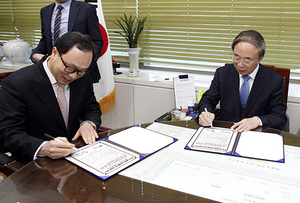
(47, 180)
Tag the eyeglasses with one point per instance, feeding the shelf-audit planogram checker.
(246, 62)
(69, 69)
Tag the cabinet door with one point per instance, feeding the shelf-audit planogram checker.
(122, 114)
(151, 102)
(294, 117)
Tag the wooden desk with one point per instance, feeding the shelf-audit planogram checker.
(47, 180)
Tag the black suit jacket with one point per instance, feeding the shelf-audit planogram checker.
(265, 99)
(29, 109)
(83, 19)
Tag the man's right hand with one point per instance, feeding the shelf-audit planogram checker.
(55, 149)
(205, 120)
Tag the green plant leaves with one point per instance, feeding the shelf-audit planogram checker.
(131, 28)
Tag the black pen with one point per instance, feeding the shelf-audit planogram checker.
(56, 139)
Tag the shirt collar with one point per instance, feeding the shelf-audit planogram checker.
(48, 72)
(254, 72)
(65, 5)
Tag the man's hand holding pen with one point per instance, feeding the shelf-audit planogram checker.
(59, 147)
(56, 149)
(206, 118)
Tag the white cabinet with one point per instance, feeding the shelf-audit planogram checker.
(293, 113)
(151, 102)
(138, 101)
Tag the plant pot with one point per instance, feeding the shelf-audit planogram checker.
(134, 70)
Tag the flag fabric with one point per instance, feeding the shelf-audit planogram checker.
(105, 89)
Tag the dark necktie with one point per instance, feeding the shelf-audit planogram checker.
(244, 91)
(62, 102)
(57, 23)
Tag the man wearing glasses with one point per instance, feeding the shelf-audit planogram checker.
(74, 16)
(249, 93)
(52, 97)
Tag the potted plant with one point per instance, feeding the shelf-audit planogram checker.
(131, 29)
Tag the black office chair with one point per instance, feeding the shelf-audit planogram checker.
(4, 75)
(8, 165)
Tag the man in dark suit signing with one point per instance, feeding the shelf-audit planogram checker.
(249, 93)
(75, 16)
(54, 97)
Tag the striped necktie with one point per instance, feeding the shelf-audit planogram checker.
(57, 23)
(62, 102)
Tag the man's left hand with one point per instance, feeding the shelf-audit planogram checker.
(87, 132)
(246, 124)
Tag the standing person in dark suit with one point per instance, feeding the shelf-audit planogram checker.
(265, 105)
(30, 102)
(75, 16)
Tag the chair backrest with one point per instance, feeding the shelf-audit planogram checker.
(4, 75)
(285, 73)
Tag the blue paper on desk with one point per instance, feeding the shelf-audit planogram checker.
(113, 154)
(251, 144)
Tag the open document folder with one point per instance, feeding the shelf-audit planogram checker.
(114, 153)
(251, 144)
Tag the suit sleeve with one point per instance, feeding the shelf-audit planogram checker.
(91, 109)
(42, 46)
(94, 29)
(211, 97)
(13, 136)
(276, 117)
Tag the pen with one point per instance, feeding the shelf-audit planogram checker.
(56, 139)
(208, 117)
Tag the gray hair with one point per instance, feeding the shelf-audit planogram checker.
(253, 37)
